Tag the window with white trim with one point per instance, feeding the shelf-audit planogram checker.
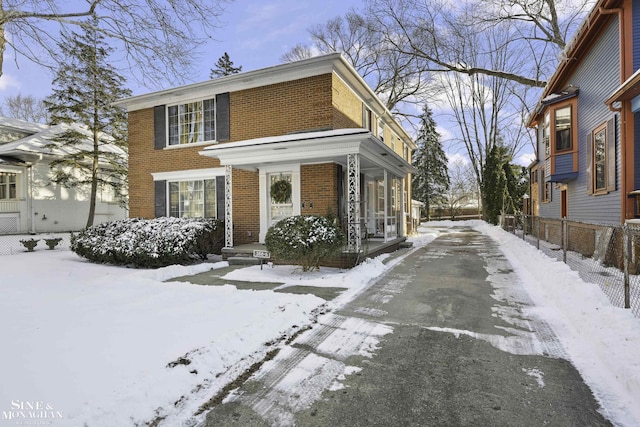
(194, 199)
(8, 185)
(191, 122)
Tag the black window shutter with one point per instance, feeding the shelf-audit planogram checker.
(220, 197)
(611, 155)
(159, 127)
(160, 198)
(222, 117)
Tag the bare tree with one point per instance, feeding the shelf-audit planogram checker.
(156, 38)
(539, 28)
(483, 105)
(25, 107)
(395, 76)
(463, 190)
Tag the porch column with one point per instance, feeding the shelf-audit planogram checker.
(402, 219)
(228, 207)
(386, 206)
(354, 239)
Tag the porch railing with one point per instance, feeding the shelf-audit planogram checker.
(9, 206)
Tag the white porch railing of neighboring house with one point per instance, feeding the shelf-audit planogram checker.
(9, 206)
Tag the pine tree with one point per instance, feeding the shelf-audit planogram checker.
(224, 67)
(431, 181)
(85, 86)
(504, 185)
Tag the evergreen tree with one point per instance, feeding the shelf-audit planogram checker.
(224, 67)
(504, 185)
(85, 86)
(431, 181)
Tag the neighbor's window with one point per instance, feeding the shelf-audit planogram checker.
(191, 122)
(563, 128)
(600, 159)
(194, 199)
(8, 185)
(546, 136)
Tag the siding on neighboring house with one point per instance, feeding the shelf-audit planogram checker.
(635, 17)
(598, 76)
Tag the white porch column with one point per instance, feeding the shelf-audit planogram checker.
(386, 206)
(354, 238)
(228, 207)
(403, 217)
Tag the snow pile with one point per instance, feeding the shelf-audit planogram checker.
(601, 340)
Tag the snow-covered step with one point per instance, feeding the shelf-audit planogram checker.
(243, 260)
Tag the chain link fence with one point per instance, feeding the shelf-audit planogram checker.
(605, 254)
(10, 243)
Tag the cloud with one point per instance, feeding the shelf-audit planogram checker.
(525, 159)
(8, 81)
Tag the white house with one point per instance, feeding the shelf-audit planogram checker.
(29, 201)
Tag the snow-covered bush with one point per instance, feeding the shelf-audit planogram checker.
(149, 242)
(304, 240)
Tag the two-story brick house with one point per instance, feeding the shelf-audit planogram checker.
(311, 128)
(588, 122)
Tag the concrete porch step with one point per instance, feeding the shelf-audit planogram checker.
(243, 260)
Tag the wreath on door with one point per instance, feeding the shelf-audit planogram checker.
(281, 191)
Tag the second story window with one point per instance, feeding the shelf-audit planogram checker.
(545, 135)
(563, 128)
(191, 122)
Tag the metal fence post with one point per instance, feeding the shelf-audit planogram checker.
(524, 227)
(565, 240)
(626, 251)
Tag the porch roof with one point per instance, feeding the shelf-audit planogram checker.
(312, 147)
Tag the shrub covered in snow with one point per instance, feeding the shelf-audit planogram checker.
(149, 242)
(304, 240)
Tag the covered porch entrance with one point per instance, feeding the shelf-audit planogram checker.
(366, 185)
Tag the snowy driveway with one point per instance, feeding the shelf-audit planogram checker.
(450, 336)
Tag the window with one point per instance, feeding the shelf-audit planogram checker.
(545, 136)
(367, 121)
(563, 128)
(191, 122)
(546, 188)
(8, 185)
(195, 199)
(601, 159)
(380, 130)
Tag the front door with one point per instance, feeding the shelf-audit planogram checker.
(279, 197)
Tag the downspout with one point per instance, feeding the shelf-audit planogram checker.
(622, 111)
(31, 207)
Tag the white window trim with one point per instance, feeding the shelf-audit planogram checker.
(189, 101)
(188, 175)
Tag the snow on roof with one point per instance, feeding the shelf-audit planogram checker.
(21, 125)
(37, 142)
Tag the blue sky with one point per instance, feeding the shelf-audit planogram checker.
(254, 33)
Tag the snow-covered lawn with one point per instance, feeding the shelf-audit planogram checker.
(92, 344)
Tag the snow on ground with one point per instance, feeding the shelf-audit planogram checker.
(85, 343)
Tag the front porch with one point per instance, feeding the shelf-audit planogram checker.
(349, 173)
(371, 248)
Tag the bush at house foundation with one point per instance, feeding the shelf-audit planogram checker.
(304, 240)
(149, 243)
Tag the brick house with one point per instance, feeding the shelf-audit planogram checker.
(219, 149)
(588, 122)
